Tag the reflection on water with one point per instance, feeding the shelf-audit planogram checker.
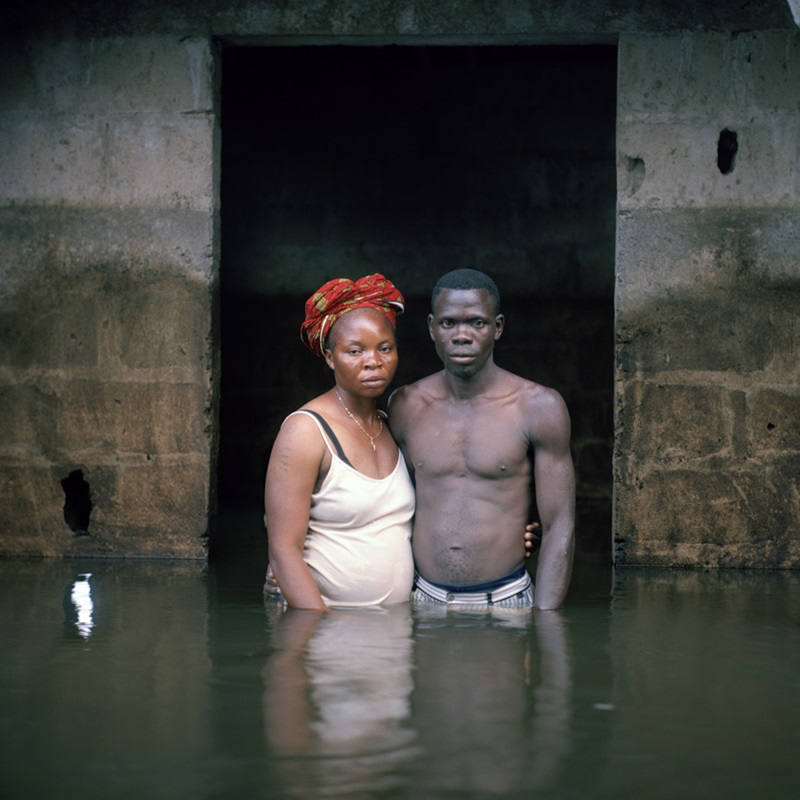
(176, 680)
(366, 701)
(337, 700)
(80, 609)
(492, 700)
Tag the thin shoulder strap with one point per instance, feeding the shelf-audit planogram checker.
(330, 434)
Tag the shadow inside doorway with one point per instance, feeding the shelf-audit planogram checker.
(341, 161)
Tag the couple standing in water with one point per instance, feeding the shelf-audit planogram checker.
(454, 459)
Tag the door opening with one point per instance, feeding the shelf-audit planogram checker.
(412, 161)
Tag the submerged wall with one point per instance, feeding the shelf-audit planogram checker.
(707, 468)
(109, 257)
(107, 217)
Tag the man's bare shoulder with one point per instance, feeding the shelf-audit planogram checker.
(537, 394)
(424, 390)
(406, 401)
(544, 409)
(541, 407)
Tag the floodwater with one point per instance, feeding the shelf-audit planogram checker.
(177, 680)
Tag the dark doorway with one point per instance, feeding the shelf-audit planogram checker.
(342, 161)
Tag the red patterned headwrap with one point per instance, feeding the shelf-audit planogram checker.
(341, 295)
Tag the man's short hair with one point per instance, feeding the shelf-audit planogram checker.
(467, 279)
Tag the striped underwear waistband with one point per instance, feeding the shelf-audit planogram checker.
(488, 592)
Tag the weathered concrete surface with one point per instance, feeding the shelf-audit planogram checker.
(707, 464)
(107, 219)
(109, 255)
(383, 20)
(110, 376)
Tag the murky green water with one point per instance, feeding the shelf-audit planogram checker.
(167, 680)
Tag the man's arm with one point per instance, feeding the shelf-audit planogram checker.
(555, 497)
(397, 409)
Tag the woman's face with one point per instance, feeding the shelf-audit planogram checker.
(362, 352)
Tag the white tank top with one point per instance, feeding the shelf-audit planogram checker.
(358, 544)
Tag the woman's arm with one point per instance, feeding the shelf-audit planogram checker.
(294, 467)
(287, 711)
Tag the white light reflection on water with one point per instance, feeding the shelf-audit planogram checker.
(81, 598)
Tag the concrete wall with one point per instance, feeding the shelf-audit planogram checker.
(109, 262)
(107, 211)
(707, 467)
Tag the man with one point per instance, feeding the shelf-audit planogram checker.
(473, 436)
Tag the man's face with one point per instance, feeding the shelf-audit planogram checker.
(464, 328)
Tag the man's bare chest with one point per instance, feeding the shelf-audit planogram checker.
(444, 445)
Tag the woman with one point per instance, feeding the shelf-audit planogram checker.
(338, 497)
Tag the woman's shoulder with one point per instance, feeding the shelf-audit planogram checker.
(325, 405)
(299, 450)
(314, 425)
(302, 424)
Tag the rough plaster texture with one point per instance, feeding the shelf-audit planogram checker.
(109, 252)
(707, 465)
(106, 354)
(449, 21)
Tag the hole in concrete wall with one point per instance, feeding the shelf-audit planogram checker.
(636, 173)
(727, 147)
(77, 503)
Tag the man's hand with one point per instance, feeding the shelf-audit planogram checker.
(533, 538)
(271, 587)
